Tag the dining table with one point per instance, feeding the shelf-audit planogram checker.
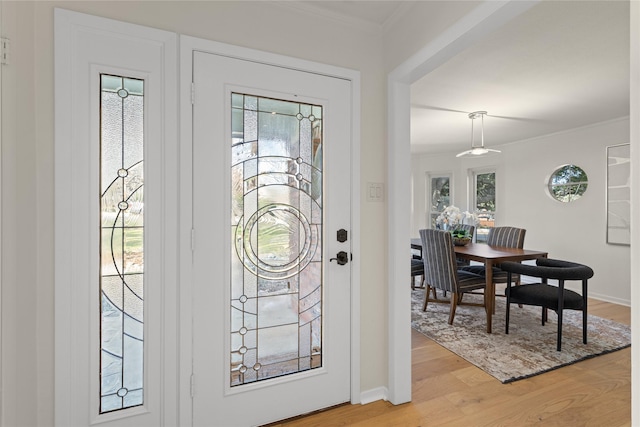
(490, 256)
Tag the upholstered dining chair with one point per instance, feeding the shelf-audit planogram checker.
(417, 269)
(549, 296)
(441, 271)
(508, 237)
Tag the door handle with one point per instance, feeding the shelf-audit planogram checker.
(341, 258)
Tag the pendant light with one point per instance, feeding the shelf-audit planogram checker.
(479, 150)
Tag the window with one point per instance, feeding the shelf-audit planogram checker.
(567, 183)
(484, 201)
(122, 243)
(276, 210)
(438, 196)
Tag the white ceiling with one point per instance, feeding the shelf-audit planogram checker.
(558, 66)
(372, 15)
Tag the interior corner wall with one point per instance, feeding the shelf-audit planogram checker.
(28, 169)
(573, 231)
(635, 207)
(21, 360)
(410, 32)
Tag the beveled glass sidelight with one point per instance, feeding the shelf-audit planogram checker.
(122, 243)
(276, 229)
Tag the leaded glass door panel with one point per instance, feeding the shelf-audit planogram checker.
(271, 188)
(276, 228)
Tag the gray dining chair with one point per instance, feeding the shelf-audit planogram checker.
(507, 237)
(441, 271)
(547, 296)
(471, 229)
(417, 270)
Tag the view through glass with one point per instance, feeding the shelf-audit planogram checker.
(122, 243)
(276, 227)
(485, 200)
(440, 197)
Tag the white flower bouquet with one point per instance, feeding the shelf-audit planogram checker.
(452, 216)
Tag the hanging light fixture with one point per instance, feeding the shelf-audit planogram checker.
(479, 150)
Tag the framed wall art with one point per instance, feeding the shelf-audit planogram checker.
(619, 194)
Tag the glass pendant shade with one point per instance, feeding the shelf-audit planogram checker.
(481, 149)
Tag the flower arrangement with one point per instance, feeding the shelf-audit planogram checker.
(451, 217)
(461, 234)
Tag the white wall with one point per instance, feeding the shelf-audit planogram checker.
(27, 181)
(27, 160)
(635, 207)
(573, 231)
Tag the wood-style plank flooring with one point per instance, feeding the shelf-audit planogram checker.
(449, 391)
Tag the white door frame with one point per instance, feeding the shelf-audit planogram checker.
(150, 54)
(187, 46)
(487, 17)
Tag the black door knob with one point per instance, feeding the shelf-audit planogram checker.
(341, 258)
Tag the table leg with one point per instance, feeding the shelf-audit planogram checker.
(489, 293)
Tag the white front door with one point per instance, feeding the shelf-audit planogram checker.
(271, 190)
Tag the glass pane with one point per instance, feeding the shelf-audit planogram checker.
(485, 204)
(440, 198)
(122, 243)
(486, 192)
(568, 183)
(276, 281)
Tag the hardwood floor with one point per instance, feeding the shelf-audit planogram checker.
(447, 390)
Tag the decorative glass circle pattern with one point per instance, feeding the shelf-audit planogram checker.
(273, 259)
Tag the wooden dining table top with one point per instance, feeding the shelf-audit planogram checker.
(482, 252)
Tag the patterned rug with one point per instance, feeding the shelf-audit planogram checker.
(529, 349)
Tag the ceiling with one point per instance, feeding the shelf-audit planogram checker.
(558, 66)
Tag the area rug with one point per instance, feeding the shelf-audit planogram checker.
(529, 349)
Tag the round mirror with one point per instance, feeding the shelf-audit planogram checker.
(568, 183)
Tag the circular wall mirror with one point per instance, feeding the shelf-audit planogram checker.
(567, 183)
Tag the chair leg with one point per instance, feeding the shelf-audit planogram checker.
(506, 318)
(507, 293)
(584, 311)
(452, 311)
(559, 347)
(427, 289)
(584, 326)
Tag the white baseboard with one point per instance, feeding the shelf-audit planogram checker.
(607, 298)
(379, 393)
